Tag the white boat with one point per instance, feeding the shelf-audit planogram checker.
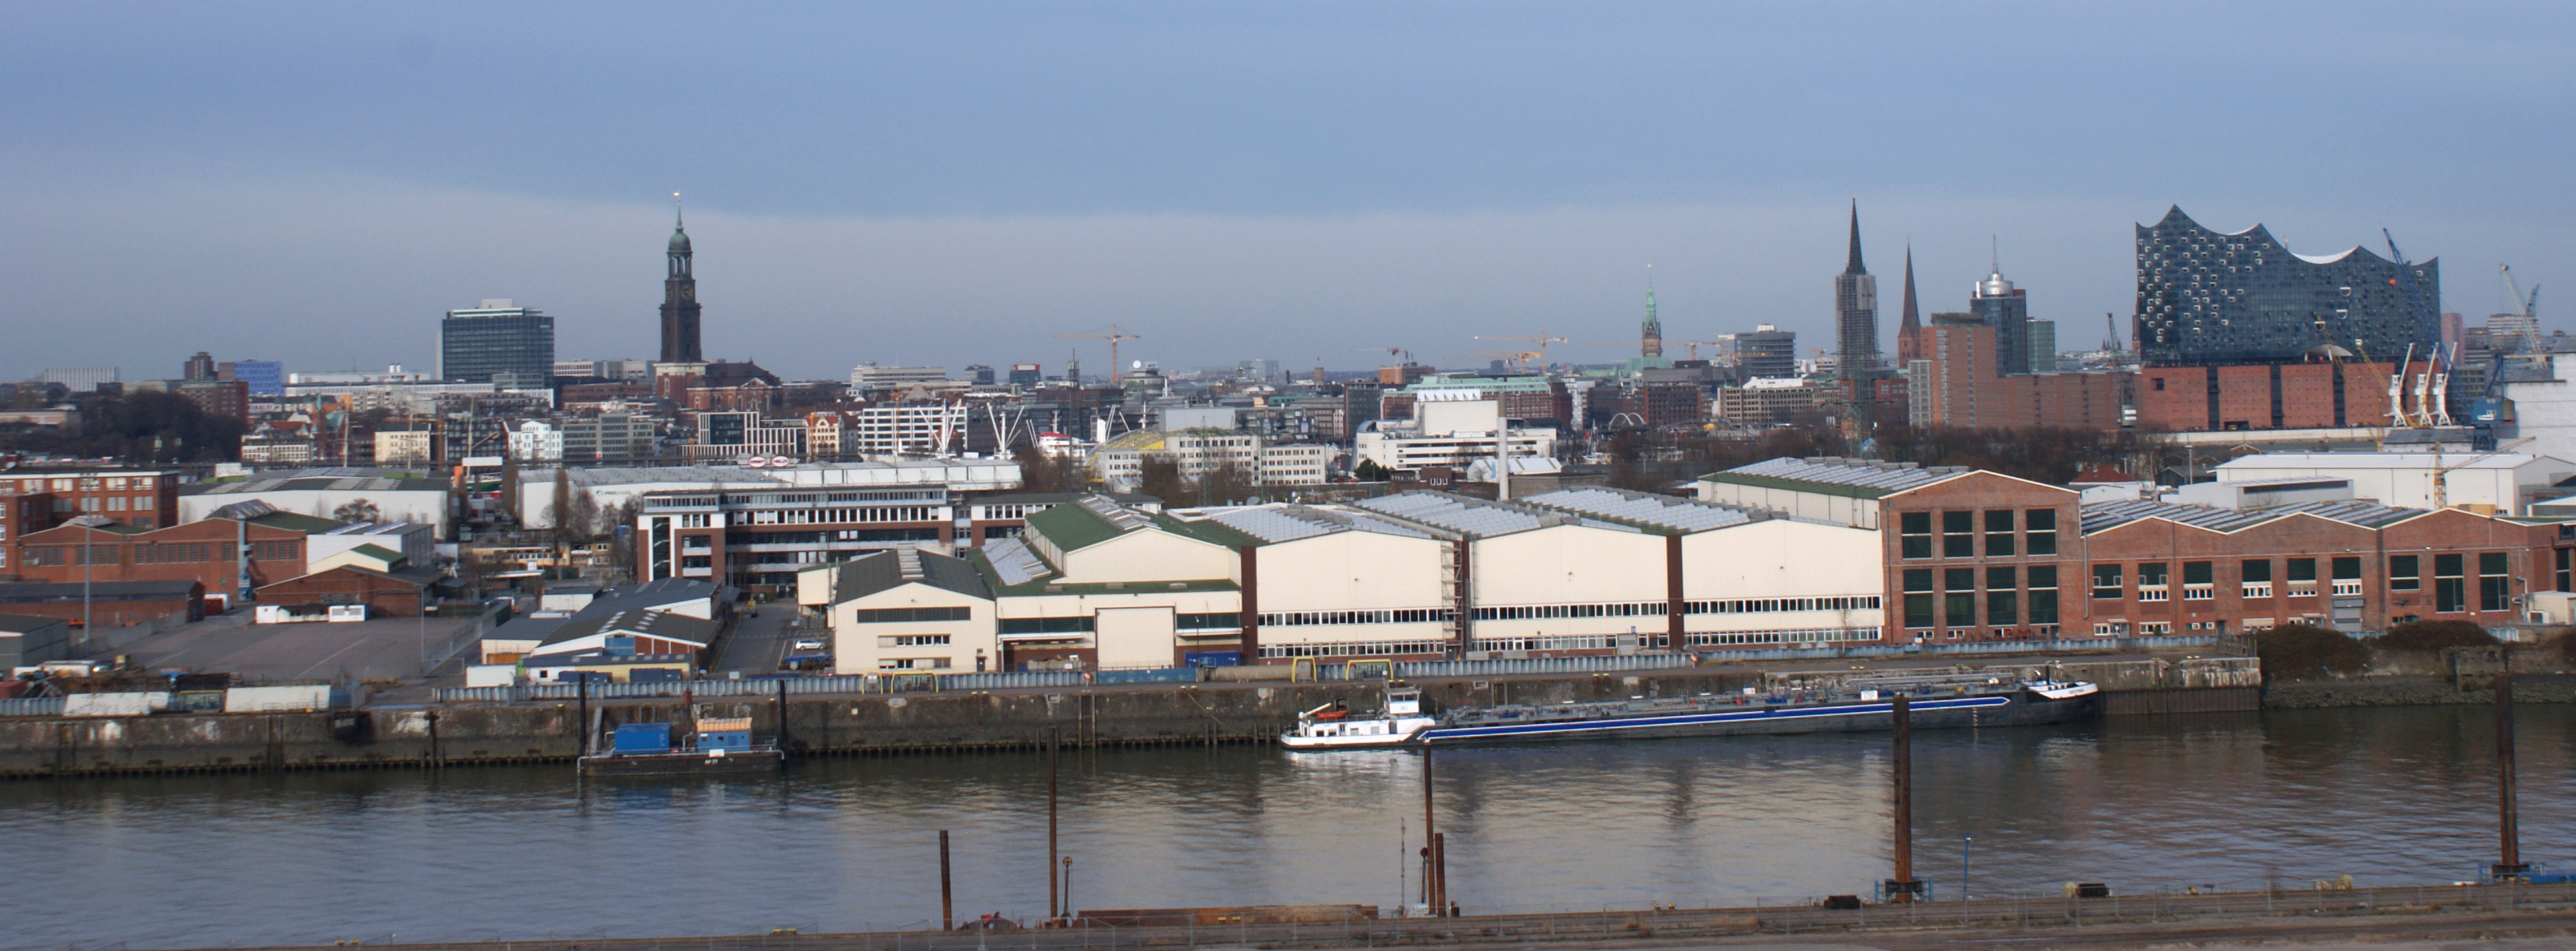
(1331, 727)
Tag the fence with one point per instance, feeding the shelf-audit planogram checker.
(31, 707)
(434, 655)
(1985, 647)
(1542, 665)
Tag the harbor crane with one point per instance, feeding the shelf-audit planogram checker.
(2433, 388)
(1541, 341)
(1114, 335)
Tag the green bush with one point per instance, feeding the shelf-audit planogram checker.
(2433, 636)
(2300, 651)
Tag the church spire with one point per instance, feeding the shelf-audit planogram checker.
(1651, 333)
(1907, 349)
(1852, 264)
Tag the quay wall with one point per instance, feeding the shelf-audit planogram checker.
(462, 733)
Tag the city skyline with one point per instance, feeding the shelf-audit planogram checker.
(953, 223)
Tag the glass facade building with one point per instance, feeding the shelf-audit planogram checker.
(2208, 298)
(475, 343)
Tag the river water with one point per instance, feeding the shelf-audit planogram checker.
(2389, 796)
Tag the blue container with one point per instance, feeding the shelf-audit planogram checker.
(1160, 675)
(732, 741)
(643, 738)
(655, 675)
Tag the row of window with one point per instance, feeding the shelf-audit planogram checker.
(2008, 601)
(2254, 579)
(911, 616)
(1394, 616)
(2006, 533)
(173, 553)
(1369, 649)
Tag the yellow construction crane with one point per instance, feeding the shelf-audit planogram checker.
(2442, 473)
(1542, 340)
(1519, 359)
(1113, 336)
(1694, 345)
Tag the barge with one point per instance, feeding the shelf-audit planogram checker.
(1868, 704)
(716, 746)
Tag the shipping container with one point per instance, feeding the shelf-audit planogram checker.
(114, 704)
(643, 738)
(277, 699)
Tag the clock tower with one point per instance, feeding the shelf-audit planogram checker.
(680, 298)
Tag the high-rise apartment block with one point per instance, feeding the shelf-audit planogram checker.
(496, 337)
(2209, 298)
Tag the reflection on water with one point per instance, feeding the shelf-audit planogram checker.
(2389, 796)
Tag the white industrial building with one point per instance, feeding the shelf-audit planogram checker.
(2494, 482)
(1120, 462)
(1449, 428)
(904, 611)
(612, 486)
(323, 491)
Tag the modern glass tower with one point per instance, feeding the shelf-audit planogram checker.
(497, 337)
(2209, 298)
(1998, 304)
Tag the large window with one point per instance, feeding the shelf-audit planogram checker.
(2450, 587)
(2199, 580)
(2405, 573)
(2254, 575)
(2039, 531)
(2494, 585)
(1914, 534)
(1959, 597)
(1999, 533)
(2043, 594)
(2003, 602)
(1918, 596)
(1958, 534)
(2151, 581)
(2106, 582)
(2566, 578)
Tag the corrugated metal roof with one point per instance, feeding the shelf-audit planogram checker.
(1472, 516)
(1288, 522)
(2361, 512)
(1641, 508)
(1881, 477)
(2377, 460)
(1013, 562)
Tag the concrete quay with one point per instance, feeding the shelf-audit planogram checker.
(1215, 712)
(2509, 915)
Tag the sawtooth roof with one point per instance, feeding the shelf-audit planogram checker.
(2102, 516)
(1836, 475)
(1661, 513)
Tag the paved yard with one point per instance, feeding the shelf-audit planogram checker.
(387, 648)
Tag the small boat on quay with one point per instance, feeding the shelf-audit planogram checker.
(1867, 704)
(717, 745)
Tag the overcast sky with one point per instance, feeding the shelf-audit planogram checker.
(956, 183)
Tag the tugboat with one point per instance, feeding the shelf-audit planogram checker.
(1329, 727)
(718, 745)
(1933, 702)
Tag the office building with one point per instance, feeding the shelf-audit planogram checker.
(1954, 383)
(2006, 310)
(199, 367)
(1856, 312)
(2043, 346)
(680, 300)
(1767, 353)
(979, 374)
(607, 438)
(497, 337)
(2210, 298)
(871, 378)
(264, 379)
(1026, 374)
(80, 379)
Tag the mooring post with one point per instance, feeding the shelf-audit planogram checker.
(1440, 871)
(1903, 887)
(782, 714)
(1432, 886)
(947, 899)
(581, 712)
(1054, 736)
(2507, 834)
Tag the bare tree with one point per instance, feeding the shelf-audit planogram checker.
(357, 510)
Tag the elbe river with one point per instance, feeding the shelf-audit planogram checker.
(2240, 801)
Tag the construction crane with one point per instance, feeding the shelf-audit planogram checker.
(2530, 308)
(1694, 345)
(2110, 333)
(1542, 340)
(1113, 336)
(1519, 359)
(2442, 473)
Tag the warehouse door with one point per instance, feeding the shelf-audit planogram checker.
(1134, 637)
